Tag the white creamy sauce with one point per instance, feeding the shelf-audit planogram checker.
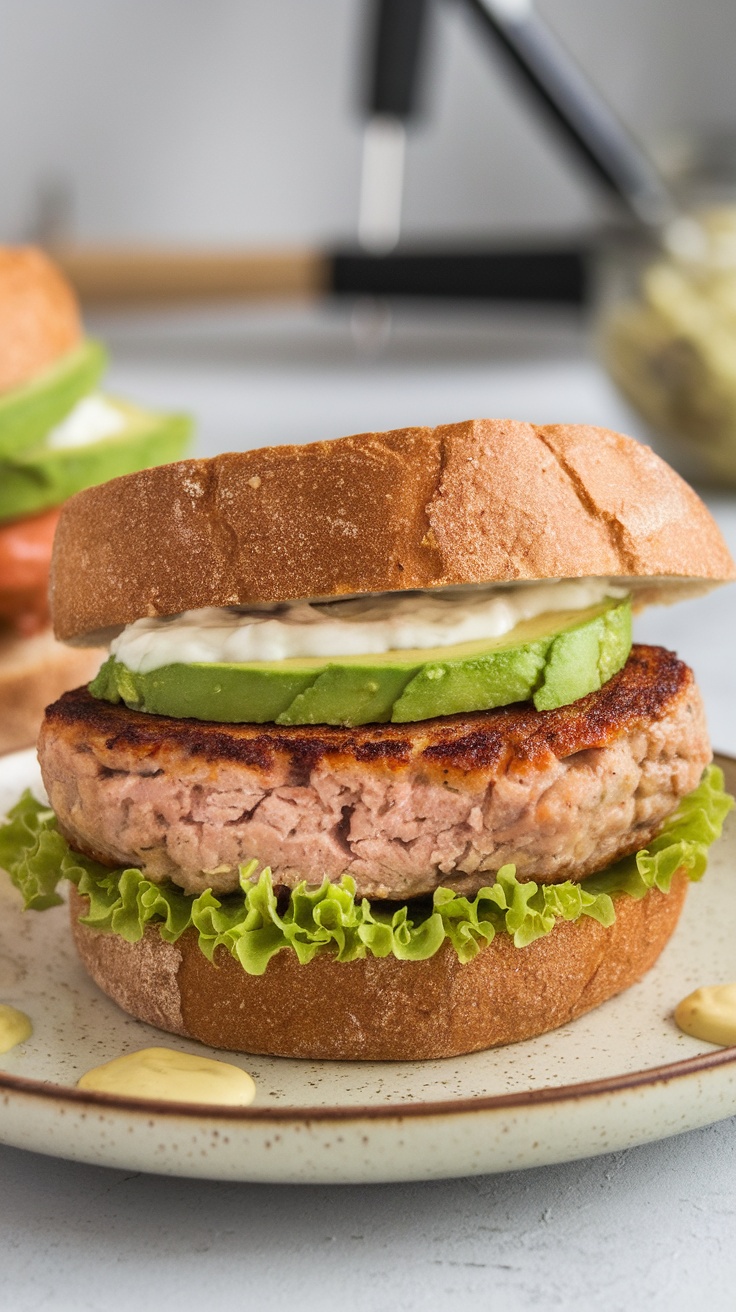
(92, 420)
(361, 626)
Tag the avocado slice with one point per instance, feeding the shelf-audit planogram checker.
(581, 660)
(553, 669)
(45, 475)
(553, 660)
(27, 413)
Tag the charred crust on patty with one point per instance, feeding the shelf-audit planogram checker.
(649, 682)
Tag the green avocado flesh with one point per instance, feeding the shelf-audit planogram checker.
(253, 925)
(553, 660)
(27, 413)
(41, 477)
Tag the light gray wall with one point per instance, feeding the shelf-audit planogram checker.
(234, 120)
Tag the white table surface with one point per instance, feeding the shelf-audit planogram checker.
(651, 1227)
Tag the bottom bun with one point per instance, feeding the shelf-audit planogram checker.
(33, 673)
(381, 1010)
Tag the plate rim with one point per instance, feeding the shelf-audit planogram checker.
(670, 1072)
(528, 1098)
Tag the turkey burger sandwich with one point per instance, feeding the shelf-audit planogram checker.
(373, 770)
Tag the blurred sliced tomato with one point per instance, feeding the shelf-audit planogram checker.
(25, 556)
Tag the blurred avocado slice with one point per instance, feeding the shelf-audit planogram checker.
(68, 461)
(554, 660)
(27, 413)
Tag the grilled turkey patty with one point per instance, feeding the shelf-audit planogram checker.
(401, 808)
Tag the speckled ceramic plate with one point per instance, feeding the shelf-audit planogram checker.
(622, 1075)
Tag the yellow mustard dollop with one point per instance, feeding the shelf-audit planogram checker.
(709, 1014)
(161, 1073)
(15, 1027)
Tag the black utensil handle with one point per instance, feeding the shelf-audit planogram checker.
(578, 109)
(557, 276)
(394, 71)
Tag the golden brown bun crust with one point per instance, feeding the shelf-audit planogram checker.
(485, 500)
(381, 1010)
(33, 673)
(39, 315)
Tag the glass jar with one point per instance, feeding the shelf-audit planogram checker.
(667, 330)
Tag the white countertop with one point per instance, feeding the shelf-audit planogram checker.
(651, 1227)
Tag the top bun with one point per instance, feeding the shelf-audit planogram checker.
(488, 500)
(39, 315)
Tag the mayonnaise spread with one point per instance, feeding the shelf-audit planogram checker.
(361, 626)
(92, 420)
(161, 1073)
(15, 1028)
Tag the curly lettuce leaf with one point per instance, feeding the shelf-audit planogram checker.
(33, 852)
(254, 924)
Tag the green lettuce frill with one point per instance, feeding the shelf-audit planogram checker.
(254, 924)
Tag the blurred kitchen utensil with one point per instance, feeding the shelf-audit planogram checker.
(546, 71)
(396, 46)
(542, 273)
(139, 276)
(571, 101)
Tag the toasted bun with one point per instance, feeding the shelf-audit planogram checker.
(487, 500)
(381, 1010)
(39, 315)
(34, 672)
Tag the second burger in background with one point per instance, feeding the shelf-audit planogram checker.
(57, 437)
